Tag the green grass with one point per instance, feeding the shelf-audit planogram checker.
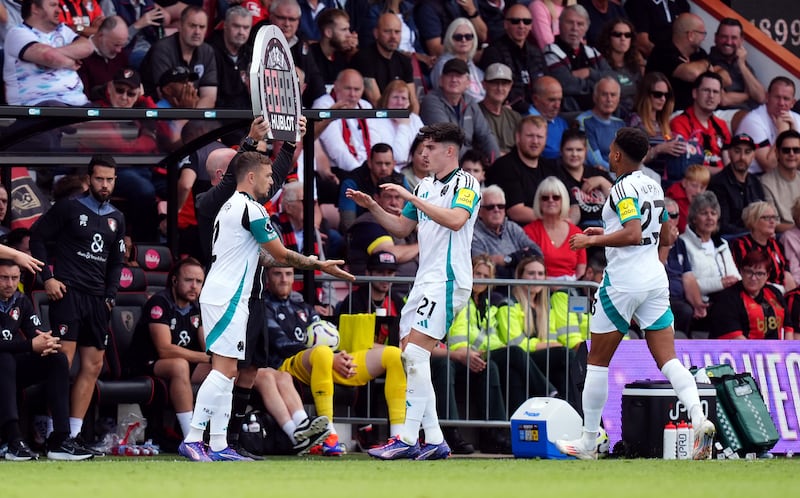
(356, 476)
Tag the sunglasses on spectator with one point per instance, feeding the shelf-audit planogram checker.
(122, 91)
(659, 95)
(284, 18)
(622, 34)
(673, 216)
(769, 217)
(492, 207)
(552, 197)
(790, 150)
(749, 272)
(463, 37)
(516, 20)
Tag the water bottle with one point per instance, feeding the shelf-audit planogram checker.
(253, 425)
(685, 443)
(670, 441)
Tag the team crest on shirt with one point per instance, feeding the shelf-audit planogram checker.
(301, 314)
(112, 224)
(63, 329)
(444, 190)
(240, 346)
(195, 321)
(156, 312)
(14, 313)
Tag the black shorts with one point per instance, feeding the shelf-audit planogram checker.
(80, 317)
(147, 369)
(256, 351)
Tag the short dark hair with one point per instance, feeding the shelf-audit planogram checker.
(191, 9)
(758, 257)
(395, 179)
(8, 262)
(443, 133)
(27, 7)
(176, 269)
(786, 135)
(246, 162)
(783, 80)
(380, 148)
(572, 134)
(729, 21)
(14, 237)
(101, 160)
(328, 16)
(472, 156)
(707, 74)
(633, 142)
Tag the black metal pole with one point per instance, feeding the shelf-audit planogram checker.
(309, 235)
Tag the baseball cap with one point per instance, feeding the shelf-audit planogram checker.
(455, 66)
(178, 74)
(382, 260)
(742, 139)
(127, 76)
(498, 71)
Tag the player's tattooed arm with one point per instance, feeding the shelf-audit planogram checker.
(300, 261)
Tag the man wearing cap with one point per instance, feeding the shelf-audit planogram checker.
(186, 49)
(449, 104)
(735, 187)
(108, 57)
(497, 81)
(782, 185)
(367, 237)
(522, 57)
(766, 121)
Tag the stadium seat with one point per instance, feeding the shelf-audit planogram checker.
(156, 262)
(132, 287)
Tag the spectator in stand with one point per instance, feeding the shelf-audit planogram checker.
(29, 356)
(497, 238)
(81, 16)
(42, 57)
(588, 186)
(734, 187)
(699, 126)
(601, 14)
(285, 14)
(520, 171)
(617, 45)
(753, 308)
(683, 59)
(652, 112)
(760, 218)
(653, 20)
(347, 141)
(108, 57)
(367, 237)
(575, 65)
(169, 343)
(492, 12)
(233, 55)
(404, 10)
(769, 120)
(471, 163)
(171, 52)
(382, 63)
(782, 184)
(552, 230)
(728, 53)
(398, 132)
(460, 42)
(695, 181)
(366, 179)
(501, 118)
(434, 16)
(547, 96)
(3, 210)
(450, 104)
(599, 123)
(336, 46)
(417, 168)
(545, 14)
(515, 51)
(791, 243)
(145, 22)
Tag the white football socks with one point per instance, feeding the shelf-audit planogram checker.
(595, 395)
(685, 388)
(214, 387)
(419, 391)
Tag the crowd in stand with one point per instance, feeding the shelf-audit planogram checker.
(539, 89)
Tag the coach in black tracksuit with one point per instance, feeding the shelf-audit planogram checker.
(207, 206)
(87, 253)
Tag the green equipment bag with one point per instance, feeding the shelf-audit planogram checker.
(745, 425)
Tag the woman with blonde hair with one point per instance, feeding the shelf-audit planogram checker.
(461, 41)
(398, 132)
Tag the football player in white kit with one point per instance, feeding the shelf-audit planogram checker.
(241, 229)
(443, 207)
(634, 286)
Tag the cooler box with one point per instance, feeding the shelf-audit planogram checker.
(647, 406)
(538, 423)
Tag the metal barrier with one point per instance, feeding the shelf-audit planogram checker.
(340, 292)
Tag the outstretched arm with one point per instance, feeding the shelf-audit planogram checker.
(398, 225)
(285, 256)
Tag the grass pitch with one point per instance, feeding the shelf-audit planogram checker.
(356, 476)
